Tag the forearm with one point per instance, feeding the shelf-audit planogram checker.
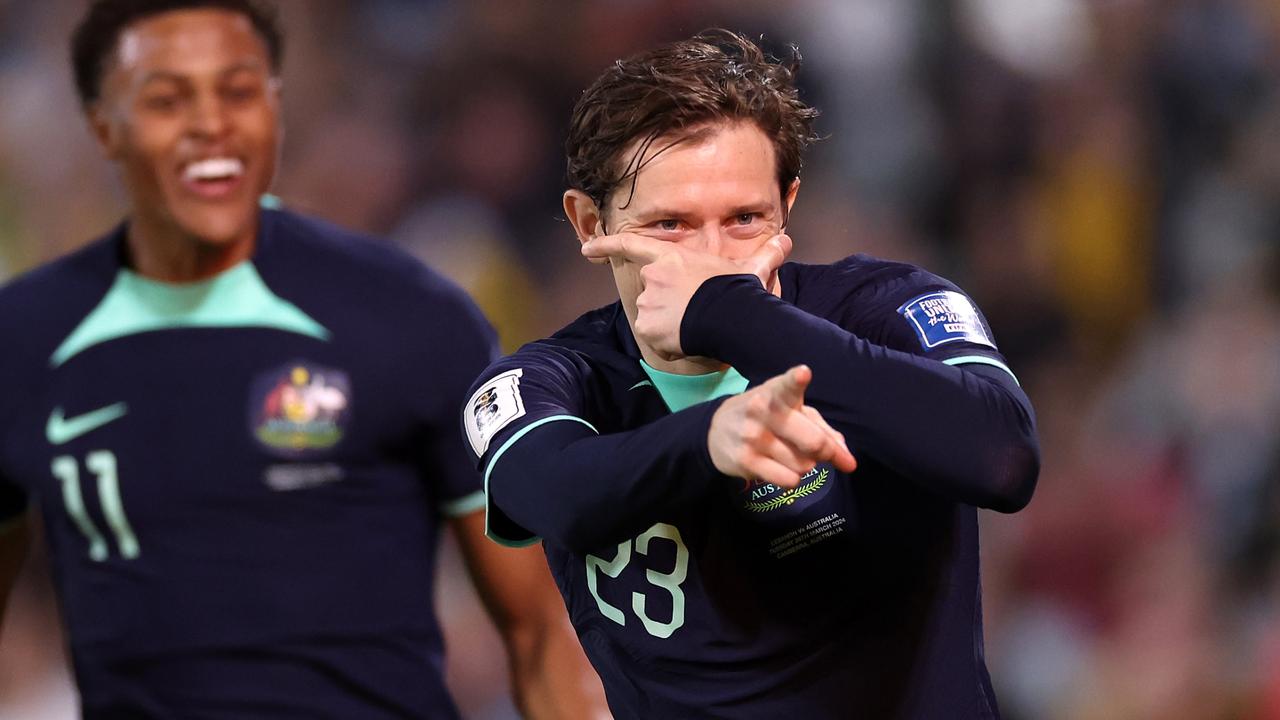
(969, 435)
(551, 677)
(584, 491)
(14, 539)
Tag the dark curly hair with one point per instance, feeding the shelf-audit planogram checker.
(99, 31)
(669, 92)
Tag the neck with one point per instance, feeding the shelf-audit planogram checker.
(679, 366)
(695, 365)
(170, 255)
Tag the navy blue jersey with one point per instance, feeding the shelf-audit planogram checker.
(243, 480)
(708, 596)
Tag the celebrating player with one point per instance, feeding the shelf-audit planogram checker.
(238, 422)
(688, 454)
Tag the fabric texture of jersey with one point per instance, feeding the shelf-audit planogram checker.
(850, 596)
(243, 480)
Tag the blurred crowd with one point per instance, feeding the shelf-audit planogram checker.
(1102, 176)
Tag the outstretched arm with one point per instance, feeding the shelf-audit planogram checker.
(550, 673)
(966, 431)
(559, 480)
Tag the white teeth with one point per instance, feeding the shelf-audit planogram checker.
(213, 168)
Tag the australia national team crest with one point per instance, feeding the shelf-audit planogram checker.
(300, 408)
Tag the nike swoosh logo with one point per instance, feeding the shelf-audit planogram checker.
(61, 429)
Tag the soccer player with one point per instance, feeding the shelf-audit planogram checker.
(240, 424)
(688, 454)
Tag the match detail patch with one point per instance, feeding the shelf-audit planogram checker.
(492, 408)
(945, 316)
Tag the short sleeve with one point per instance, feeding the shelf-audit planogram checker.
(539, 384)
(453, 346)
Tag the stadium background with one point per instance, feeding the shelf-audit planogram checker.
(1103, 177)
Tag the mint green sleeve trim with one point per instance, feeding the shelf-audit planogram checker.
(464, 505)
(981, 360)
(488, 531)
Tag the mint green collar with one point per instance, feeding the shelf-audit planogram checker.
(237, 297)
(682, 391)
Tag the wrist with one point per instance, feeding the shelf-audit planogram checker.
(715, 313)
(706, 458)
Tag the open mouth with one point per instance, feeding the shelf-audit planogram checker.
(214, 177)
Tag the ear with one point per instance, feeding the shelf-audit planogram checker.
(275, 86)
(275, 89)
(104, 131)
(789, 200)
(583, 214)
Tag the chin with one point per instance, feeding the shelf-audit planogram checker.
(220, 228)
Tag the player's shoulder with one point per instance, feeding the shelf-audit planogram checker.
(318, 255)
(56, 295)
(591, 342)
(867, 279)
(599, 339)
(40, 307)
(310, 241)
(595, 329)
(860, 287)
(882, 299)
(60, 281)
(550, 377)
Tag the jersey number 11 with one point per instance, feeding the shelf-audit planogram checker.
(102, 463)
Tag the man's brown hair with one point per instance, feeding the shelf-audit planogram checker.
(668, 92)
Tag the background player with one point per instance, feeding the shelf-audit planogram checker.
(717, 556)
(238, 422)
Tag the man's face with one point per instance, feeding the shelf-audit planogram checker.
(717, 193)
(189, 109)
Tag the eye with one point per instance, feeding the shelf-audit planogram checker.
(668, 224)
(241, 93)
(160, 102)
(746, 218)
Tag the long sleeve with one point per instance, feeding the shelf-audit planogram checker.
(966, 431)
(583, 491)
(550, 472)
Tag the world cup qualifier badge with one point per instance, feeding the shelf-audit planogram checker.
(494, 406)
(300, 408)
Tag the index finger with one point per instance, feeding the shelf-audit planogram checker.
(842, 457)
(788, 388)
(625, 246)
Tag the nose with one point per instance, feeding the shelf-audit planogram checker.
(209, 117)
(709, 239)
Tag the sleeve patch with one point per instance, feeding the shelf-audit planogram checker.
(494, 406)
(945, 316)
